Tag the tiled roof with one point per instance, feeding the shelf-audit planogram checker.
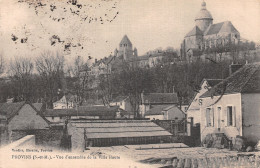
(195, 31)
(213, 82)
(82, 111)
(10, 109)
(244, 80)
(160, 98)
(120, 129)
(156, 110)
(222, 27)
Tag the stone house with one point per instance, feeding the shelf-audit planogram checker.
(232, 106)
(22, 116)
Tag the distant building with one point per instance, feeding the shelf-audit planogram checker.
(68, 101)
(153, 100)
(81, 112)
(232, 106)
(165, 112)
(124, 103)
(206, 35)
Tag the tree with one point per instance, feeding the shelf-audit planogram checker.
(50, 68)
(79, 79)
(21, 74)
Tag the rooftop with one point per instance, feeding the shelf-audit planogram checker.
(160, 98)
(120, 128)
(244, 80)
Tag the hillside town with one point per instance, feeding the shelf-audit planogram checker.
(202, 96)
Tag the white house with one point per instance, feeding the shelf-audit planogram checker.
(68, 101)
(124, 104)
(193, 112)
(232, 107)
(165, 112)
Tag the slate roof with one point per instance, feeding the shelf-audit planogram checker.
(194, 32)
(222, 27)
(10, 109)
(156, 110)
(244, 80)
(120, 129)
(160, 98)
(82, 111)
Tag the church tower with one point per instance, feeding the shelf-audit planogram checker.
(203, 19)
(125, 48)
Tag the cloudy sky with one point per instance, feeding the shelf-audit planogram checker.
(95, 27)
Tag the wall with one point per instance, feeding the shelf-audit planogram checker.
(251, 115)
(230, 131)
(43, 137)
(27, 118)
(155, 117)
(77, 138)
(173, 113)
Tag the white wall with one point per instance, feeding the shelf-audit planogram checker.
(251, 116)
(226, 100)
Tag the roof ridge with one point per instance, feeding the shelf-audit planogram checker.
(249, 78)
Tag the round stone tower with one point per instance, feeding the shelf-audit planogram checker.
(203, 19)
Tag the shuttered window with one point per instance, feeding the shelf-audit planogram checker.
(209, 117)
(231, 116)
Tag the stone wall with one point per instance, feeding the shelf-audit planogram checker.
(43, 137)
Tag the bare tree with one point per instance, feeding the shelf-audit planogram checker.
(21, 71)
(50, 68)
(2, 62)
(79, 74)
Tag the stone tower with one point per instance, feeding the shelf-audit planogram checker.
(125, 48)
(203, 19)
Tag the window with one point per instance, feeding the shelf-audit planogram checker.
(219, 116)
(52, 118)
(60, 117)
(231, 116)
(209, 117)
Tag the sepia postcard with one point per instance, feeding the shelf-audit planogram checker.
(130, 83)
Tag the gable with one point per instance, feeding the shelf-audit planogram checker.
(27, 118)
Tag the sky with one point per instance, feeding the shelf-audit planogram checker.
(96, 27)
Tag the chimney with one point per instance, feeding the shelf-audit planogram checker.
(142, 97)
(95, 60)
(233, 68)
(173, 89)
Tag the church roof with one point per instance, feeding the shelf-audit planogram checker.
(222, 27)
(195, 31)
(203, 13)
(125, 40)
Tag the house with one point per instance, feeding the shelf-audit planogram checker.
(232, 106)
(151, 100)
(101, 133)
(124, 104)
(22, 116)
(165, 112)
(193, 111)
(66, 102)
(81, 112)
